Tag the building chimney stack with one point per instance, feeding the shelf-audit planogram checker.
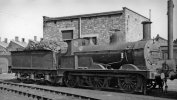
(5, 40)
(146, 30)
(23, 39)
(16, 38)
(35, 38)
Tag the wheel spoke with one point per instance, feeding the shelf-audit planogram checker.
(70, 81)
(128, 84)
(97, 83)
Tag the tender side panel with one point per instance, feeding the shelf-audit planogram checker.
(21, 60)
(43, 60)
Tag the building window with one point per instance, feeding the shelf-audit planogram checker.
(94, 40)
(90, 41)
(67, 34)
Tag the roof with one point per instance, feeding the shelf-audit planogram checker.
(45, 18)
(83, 15)
(3, 44)
(23, 44)
(33, 41)
(159, 37)
(136, 13)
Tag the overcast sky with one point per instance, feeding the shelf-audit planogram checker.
(23, 18)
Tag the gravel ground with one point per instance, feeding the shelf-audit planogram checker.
(7, 95)
(11, 96)
(104, 95)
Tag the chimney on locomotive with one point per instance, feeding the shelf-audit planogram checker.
(146, 30)
(170, 29)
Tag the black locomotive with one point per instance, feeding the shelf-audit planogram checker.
(131, 67)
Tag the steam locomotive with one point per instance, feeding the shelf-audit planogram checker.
(130, 67)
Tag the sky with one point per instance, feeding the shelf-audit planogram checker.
(23, 18)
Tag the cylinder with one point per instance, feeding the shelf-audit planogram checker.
(146, 30)
(170, 29)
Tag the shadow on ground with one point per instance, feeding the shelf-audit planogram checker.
(158, 93)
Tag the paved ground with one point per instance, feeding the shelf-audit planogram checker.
(103, 95)
(7, 76)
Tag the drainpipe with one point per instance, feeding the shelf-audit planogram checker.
(80, 36)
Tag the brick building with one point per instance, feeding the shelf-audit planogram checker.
(98, 26)
(164, 47)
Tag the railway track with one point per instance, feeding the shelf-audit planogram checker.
(38, 93)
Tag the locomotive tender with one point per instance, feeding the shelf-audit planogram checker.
(130, 67)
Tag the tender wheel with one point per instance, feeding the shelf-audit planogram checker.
(70, 81)
(129, 84)
(97, 82)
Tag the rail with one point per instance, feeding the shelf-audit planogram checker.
(39, 93)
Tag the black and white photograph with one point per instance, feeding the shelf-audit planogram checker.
(88, 50)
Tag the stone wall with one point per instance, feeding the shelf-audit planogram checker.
(126, 24)
(102, 26)
(134, 28)
(52, 29)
